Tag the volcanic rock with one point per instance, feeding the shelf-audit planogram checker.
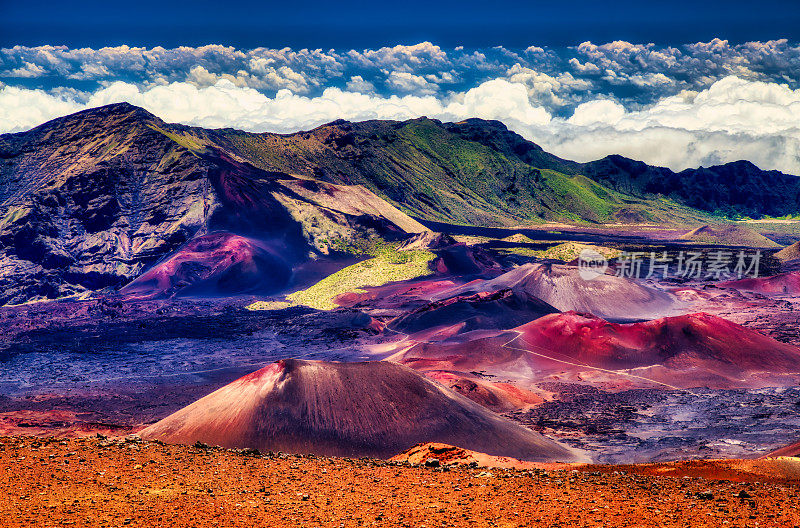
(606, 296)
(781, 284)
(504, 308)
(347, 409)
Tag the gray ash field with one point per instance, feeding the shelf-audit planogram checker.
(643, 425)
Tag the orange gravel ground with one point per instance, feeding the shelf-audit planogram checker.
(96, 482)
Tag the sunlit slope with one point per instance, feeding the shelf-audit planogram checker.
(449, 172)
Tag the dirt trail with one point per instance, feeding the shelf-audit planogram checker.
(102, 483)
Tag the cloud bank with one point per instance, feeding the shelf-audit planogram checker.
(700, 104)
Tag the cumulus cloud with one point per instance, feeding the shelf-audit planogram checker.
(224, 104)
(27, 70)
(21, 108)
(358, 84)
(733, 119)
(409, 83)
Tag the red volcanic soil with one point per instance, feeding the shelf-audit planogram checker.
(684, 351)
(467, 354)
(215, 264)
(781, 284)
(700, 344)
(497, 396)
(347, 409)
(397, 298)
(99, 483)
(606, 296)
(788, 451)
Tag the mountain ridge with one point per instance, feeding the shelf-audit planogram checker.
(94, 199)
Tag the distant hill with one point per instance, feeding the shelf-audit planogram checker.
(728, 235)
(734, 188)
(479, 172)
(473, 172)
(95, 199)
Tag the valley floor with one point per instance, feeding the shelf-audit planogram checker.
(96, 482)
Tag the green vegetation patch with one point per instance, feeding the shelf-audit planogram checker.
(268, 305)
(377, 271)
(387, 265)
(189, 142)
(518, 238)
(14, 214)
(569, 251)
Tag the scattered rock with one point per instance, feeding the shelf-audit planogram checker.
(432, 462)
(704, 495)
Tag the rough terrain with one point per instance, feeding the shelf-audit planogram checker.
(103, 483)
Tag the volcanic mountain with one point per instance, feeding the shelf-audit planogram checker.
(375, 409)
(215, 264)
(503, 308)
(92, 200)
(789, 253)
(700, 342)
(788, 451)
(606, 296)
(683, 351)
(480, 173)
(782, 284)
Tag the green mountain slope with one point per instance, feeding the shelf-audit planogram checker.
(475, 172)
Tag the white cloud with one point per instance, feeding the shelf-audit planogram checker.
(21, 109)
(731, 119)
(550, 91)
(358, 84)
(585, 68)
(224, 104)
(600, 111)
(501, 100)
(406, 82)
(27, 70)
(404, 58)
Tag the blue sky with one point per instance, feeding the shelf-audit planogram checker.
(326, 24)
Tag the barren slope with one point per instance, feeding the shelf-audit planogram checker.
(347, 409)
